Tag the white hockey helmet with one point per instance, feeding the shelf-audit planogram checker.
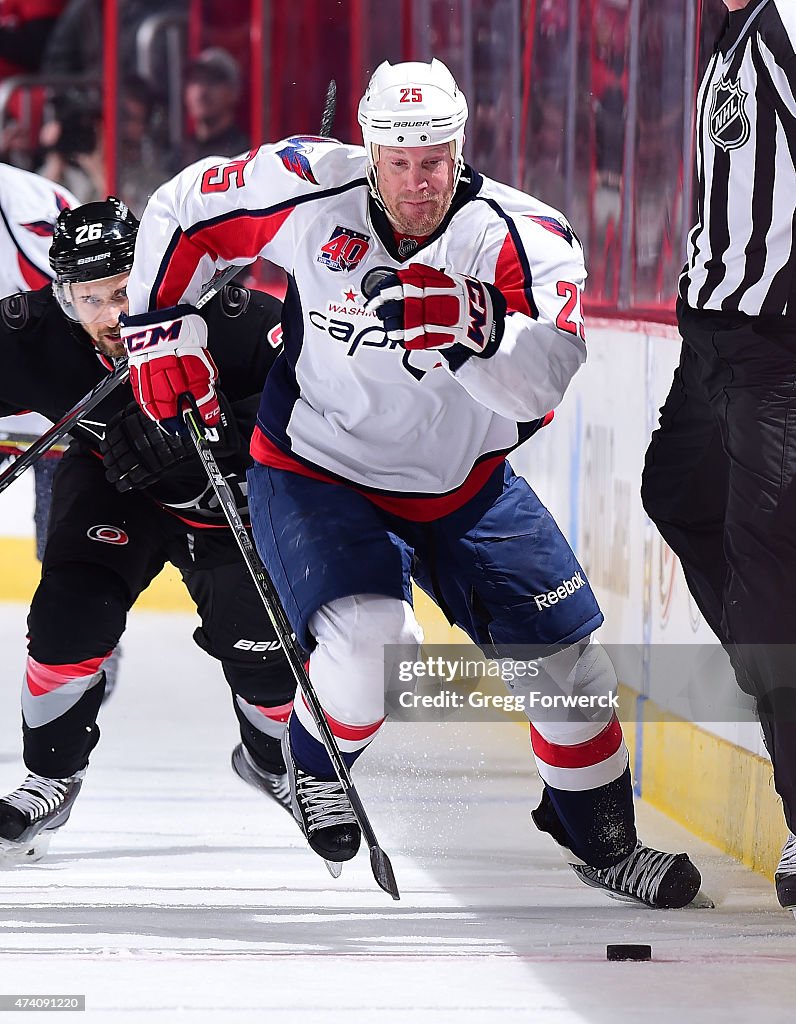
(412, 104)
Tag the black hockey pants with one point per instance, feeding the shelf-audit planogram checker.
(720, 484)
(103, 550)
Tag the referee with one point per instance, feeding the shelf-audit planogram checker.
(720, 474)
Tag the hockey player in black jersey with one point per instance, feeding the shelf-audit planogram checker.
(127, 499)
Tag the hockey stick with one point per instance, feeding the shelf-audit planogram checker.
(64, 425)
(379, 861)
(329, 107)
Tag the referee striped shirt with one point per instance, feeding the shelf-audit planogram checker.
(742, 250)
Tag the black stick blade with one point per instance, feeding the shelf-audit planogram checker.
(382, 871)
(329, 108)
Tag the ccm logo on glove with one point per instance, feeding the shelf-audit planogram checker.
(478, 311)
(425, 308)
(153, 336)
(168, 358)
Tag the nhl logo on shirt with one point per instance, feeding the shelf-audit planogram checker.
(406, 247)
(344, 250)
(729, 125)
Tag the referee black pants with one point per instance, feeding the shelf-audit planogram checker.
(720, 484)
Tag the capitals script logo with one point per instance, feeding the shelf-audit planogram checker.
(344, 250)
(295, 155)
(728, 121)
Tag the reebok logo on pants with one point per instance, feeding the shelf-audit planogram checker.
(567, 588)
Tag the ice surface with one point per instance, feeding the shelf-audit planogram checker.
(177, 893)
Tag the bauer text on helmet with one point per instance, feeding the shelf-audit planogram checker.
(412, 104)
(91, 256)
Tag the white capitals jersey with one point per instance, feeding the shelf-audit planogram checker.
(29, 207)
(343, 402)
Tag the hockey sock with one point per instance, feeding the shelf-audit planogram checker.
(310, 754)
(265, 751)
(60, 704)
(584, 766)
(261, 729)
(597, 825)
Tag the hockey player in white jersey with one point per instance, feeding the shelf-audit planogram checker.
(29, 208)
(381, 440)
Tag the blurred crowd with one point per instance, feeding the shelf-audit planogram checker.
(51, 112)
(584, 103)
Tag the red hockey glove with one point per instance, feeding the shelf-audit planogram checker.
(423, 308)
(168, 357)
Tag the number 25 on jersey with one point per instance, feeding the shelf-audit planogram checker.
(565, 321)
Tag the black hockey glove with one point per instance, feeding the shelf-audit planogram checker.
(136, 452)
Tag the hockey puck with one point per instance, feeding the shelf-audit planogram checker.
(626, 951)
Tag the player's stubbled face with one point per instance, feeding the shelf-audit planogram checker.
(97, 305)
(416, 186)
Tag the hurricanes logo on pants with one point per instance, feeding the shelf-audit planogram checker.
(107, 534)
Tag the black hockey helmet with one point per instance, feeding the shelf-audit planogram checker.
(90, 243)
(93, 241)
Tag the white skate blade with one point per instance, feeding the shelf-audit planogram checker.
(13, 854)
(335, 868)
(700, 902)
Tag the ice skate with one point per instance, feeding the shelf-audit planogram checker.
(785, 875)
(273, 784)
(664, 881)
(32, 813)
(323, 813)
